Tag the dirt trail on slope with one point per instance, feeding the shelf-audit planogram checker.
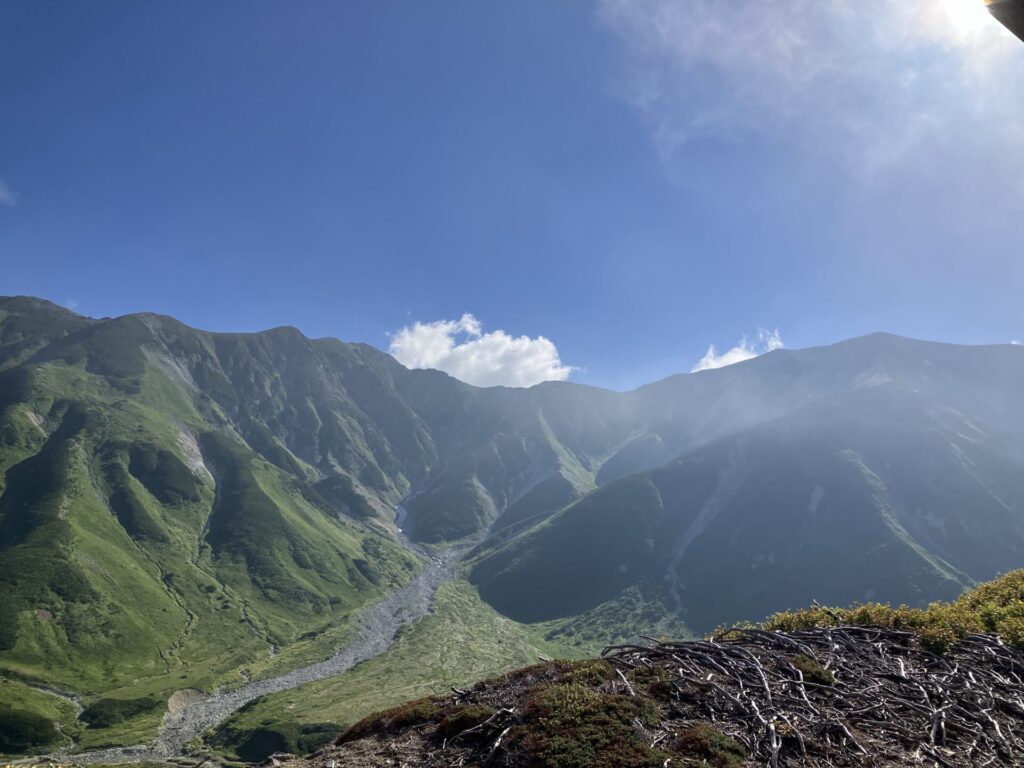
(374, 633)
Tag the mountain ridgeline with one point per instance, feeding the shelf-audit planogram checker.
(175, 502)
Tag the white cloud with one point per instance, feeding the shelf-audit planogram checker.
(461, 348)
(767, 341)
(1015, 342)
(8, 196)
(870, 82)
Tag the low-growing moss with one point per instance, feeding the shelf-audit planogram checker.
(654, 681)
(588, 672)
(395, 719)
(572, 726)
(703, 744)
(461, 717)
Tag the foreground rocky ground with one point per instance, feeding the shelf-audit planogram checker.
(840, 696)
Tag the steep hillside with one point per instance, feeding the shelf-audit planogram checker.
(177, 506)
(898, 474)
(182, 509)
(153, 536)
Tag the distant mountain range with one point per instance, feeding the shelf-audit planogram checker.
(174, 501)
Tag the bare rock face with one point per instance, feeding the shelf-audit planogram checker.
(179, 700)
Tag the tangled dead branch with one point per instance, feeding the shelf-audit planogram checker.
(878, 698)
(843, 696)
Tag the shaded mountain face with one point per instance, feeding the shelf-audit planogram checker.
(233, 492)
(878, 469)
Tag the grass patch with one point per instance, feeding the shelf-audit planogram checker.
(637, 610)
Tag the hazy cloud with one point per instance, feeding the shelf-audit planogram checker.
(745, 350)
(870, 82)
(462, 348)
(8, 196)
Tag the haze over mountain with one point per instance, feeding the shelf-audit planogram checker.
(175, 502)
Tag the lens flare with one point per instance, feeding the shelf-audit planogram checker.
(968, 16)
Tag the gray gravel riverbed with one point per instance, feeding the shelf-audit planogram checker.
(374, 632)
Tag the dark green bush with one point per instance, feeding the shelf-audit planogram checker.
(462, 717)
(812, 671)
(711, 747)
(573, 726)
(107, 712)
(163, 474)
(257, 744)
(395, 719)
(24, 731)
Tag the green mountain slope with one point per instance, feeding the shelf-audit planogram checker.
(177, 506)
(145, 544)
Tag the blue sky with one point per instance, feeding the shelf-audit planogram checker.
(515, 191)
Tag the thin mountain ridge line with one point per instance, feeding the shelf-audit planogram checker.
(288, 328)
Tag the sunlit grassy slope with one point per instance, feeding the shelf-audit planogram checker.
(126, 572)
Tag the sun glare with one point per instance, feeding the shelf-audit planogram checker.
(968, 16)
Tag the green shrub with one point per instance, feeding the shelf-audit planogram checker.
(395, 719)
(24, 731)
(107, 712)
(572, 726)
(590, 672)
(711, 747)
(812, 671)
(996, 607)
(164, 474)
(257, 744)
(462, 717)
(655, 681)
